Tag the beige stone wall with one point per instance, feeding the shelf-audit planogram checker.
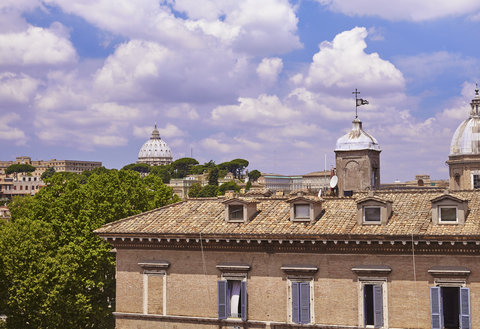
(354, 169)
(192, 292)
(463, 166)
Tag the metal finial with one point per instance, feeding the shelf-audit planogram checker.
(155, 125)
(356, 102)
(476, 89)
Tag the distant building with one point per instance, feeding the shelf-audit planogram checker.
(181, 186)
(275, 182)
(315, 181)
(155, 151)
(4, 215)
(75, 166)
(19, 184)
(464, 158)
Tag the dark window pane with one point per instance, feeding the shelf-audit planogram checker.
(448, 214)
(235, 212)
(372, 214)
(302, 211)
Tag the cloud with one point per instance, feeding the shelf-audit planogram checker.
(410, 10)
(182, 111)
(248, 26)
(215, 144)
(9, 133)
(423, 66)
(264, 110)
(343, 63)
(36, 46)
(269, 69)
(17, 88)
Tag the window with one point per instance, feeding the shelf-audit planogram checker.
(447, 214)
(235, 212)
(371, 214)
(476, 181)
(450, 307)
(302, 211)
(373, 305)
(300, 295)
(232, 299)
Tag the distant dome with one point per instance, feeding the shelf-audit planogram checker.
(357, 139)
(466, 139)
(155, 151)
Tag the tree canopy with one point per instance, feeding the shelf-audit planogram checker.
(254, 175)
(181, 166)
(228, 186)
(54, 271)
(19, 167)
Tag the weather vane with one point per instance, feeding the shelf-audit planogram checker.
(358, 102)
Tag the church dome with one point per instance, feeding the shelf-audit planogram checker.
(466, 139)
(155, 151)
(357, 139)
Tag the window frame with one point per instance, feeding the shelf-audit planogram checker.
(444, 221)
(375, 281)
(300, 279)
(236, 220)
(229, 277)
(365, 221)
(301, 219)
(473, 180)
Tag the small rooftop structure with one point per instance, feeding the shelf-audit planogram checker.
(357, 139)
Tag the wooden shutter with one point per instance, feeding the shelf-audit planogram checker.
(464, 308)
(378, 305)
(243, 300)
(295, 302)
(222, 299)
(304, 302)
(436, 307)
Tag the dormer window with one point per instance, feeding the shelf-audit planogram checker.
(235, 212)
(302, 211)
(239, 211)
(447, 209)
(447, 214)
(372, 214)
(373, 210)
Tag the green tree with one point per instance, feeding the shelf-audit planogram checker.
(248, 186)
(228, 186)
(237, 166)
(47, 173)
(164, 172)
(138, 167)
(254, 175)
(54, 271)
(181, 166)
(194, 190)
(213, 176)
(19, 167)
(208, 191)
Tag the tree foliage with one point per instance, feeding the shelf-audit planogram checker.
(254, 175)
(54, 271)
(19, 167)
(138, 167)
(47, 173)
(235, 166)
(213, 176)
(181, 167)
(228, 186)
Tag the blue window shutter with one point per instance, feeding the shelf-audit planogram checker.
(378, 305)
(243, 300)
(436, 307)
(464, 308)
(295, 302)
(304, 302)
(222, 299)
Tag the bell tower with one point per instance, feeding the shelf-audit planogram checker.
(357, 156)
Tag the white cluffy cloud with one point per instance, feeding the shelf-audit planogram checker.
(411, 10)
(264, 110)
(36, 46)
(170, 130)
(9, 133)
(17, 88)
(343, 63)
(269, 69)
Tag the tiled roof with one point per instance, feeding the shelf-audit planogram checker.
(411, 215)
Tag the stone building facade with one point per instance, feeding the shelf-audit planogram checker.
(301, 262)
(75, 166)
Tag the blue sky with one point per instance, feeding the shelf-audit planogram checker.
(269, 81)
